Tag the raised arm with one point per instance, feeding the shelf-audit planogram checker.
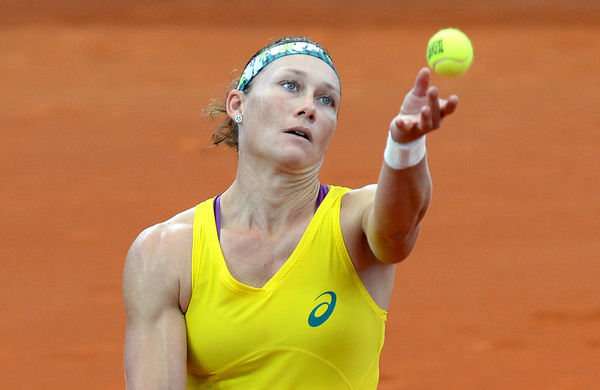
(155, 343)
(392, 211)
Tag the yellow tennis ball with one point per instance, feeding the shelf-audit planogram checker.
(449, 52)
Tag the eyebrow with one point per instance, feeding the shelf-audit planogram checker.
(303, 73)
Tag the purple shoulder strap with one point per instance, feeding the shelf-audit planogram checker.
(217, 207)
(323, 190)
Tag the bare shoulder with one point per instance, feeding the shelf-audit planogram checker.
(158, 264)
(163, 243)
(166, 235)
(355, 203)
(360, 196)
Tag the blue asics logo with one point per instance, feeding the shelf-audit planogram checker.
(315, 320)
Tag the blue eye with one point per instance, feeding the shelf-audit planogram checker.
(327, 100)
(290, 85)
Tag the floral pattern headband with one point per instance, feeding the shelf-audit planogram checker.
(275, 52)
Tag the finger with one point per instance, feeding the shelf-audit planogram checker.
(449, 105)
(403, 126)
(433, 102)
(422, 82)
(426, 120)
(407, 125)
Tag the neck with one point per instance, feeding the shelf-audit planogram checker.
(269, 201)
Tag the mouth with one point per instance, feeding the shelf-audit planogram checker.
(300, 132)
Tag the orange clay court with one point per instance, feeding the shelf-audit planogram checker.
(102, 135)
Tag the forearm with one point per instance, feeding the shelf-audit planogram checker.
(400, 203)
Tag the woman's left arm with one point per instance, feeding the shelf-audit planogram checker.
(391, 221)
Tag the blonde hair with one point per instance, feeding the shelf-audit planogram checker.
(227, 132)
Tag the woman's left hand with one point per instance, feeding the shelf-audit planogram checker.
(422, 110)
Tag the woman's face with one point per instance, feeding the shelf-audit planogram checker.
(290, 113)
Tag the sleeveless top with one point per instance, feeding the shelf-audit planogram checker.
(312, 326)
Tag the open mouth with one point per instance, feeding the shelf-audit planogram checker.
(299, 133)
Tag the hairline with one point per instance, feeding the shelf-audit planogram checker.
(338, 90)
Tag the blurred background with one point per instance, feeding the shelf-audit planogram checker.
(102, 135)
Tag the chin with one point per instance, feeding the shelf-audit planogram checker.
(297, 160)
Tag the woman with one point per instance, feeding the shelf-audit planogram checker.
(280, 282)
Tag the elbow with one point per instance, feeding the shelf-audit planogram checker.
(392, 249)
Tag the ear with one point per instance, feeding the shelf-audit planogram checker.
(233, 104)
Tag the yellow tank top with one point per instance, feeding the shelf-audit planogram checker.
(312, 326)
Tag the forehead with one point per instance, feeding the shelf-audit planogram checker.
(303, 65)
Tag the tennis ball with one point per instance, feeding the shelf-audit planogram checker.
(449, 52)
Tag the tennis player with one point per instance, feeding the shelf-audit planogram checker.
(281, 282)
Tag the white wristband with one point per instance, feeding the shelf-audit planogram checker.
(399, 156)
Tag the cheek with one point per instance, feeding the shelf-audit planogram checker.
(328, 127)
(257, 114)
(266, 109)
(330, 120)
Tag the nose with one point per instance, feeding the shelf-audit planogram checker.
(307, 109)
